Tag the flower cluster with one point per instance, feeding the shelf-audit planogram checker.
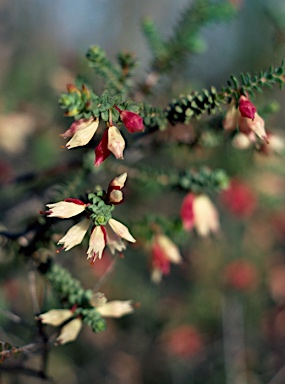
(105, 230)
(72, 320)
(250, 124)
(81, 132)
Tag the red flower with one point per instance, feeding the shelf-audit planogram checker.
(184, 341)
(239, 199)
(241, 275)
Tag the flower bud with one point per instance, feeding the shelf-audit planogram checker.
(246, 108)
(132, 121)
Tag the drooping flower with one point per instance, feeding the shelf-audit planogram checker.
(105, 230)
(246, 119)
(57, 317)
(112, 142)
(132, 121)
(198, 211)
(81, 132)
(114, 308)
(163, 252)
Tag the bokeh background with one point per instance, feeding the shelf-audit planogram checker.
(220, 316)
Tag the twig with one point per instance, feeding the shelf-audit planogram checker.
(109, 270)
(15, 318)
(279, 378)
(33, 291)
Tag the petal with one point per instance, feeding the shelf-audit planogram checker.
(102, 151)
(97, 244)
(119, 181)
(206, 216)
(114, 241)
(186, 212)
(84, 133)
(75, 234)
(121, 230)
(55, 317)
(116, 142)
(69, 332)
(65, 209)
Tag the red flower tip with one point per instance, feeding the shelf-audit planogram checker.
(75, 201)
(246, 108)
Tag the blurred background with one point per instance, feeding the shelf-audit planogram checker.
(219, 317)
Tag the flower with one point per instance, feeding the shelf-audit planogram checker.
(69, 332)
(163, 252)
(132, 121)
(253, 128)
(246, 118)
(184, 341)
(240, 274)
(105, 230)
(198, 211)
(239, 199)
(116, 142)
(57, 317)
(97, 243)
(81, 132)
(112, 141)
(115, 308)
(246, 108)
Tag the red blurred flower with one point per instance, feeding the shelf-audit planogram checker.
(184, 341)
(241, 275)
(239, 198)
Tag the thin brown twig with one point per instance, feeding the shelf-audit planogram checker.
(109, 270)
(33, 291)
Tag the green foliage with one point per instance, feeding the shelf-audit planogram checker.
(185, 38)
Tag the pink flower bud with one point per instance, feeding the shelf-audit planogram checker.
(132, 121)
(246, 108)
